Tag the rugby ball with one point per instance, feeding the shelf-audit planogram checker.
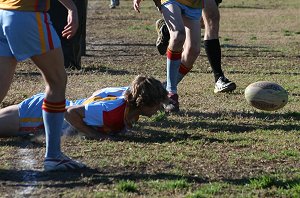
(265, 95)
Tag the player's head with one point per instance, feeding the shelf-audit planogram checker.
(146, 94)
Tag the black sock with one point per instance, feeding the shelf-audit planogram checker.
(213, 52)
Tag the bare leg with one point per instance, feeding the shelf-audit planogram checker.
(176, 27)
(191, 48)
(173, 18)
(192, 42)
(8, 66)
(52, 67)
(211, 18)
(9, 121)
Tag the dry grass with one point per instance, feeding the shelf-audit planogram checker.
(217, 146)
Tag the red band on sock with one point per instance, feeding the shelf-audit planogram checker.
(173, 55)
(54, 107)
(183, 69)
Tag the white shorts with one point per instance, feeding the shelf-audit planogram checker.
(191, 13)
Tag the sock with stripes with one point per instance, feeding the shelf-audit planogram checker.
(53, 116)
(183, 70)
(173, 62)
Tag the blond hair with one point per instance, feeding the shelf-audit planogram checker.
(145, 91)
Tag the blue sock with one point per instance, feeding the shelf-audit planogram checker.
(173, 63)
(53, 117)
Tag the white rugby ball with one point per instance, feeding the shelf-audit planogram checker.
(265, 95)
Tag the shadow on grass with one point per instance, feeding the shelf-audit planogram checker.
(155, 136)
(266, 116)
(83, 71)
(264, 72)
(209, 123)
(118, 49)
(96, 70)
(286, 72)
(21, 142)
(22, 73)
(136, 176)
(88, 177)
(243, 7)
(26, 178)
(91, 177)
(121, 44)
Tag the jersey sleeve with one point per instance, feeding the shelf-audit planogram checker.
(111, 91)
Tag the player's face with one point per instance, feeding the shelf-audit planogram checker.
(149, 111)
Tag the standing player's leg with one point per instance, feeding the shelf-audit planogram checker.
(7, 61)
(7, 66)
(51, 65)
(52, 68)
(211, 19)
(191, 49)
(9, 117)
(177, 37)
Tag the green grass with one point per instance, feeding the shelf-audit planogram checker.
(217, 146)
(208, 190)
(177, 184)
(127, 186)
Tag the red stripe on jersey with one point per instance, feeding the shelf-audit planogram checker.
(173, 55)
(113, 120)
(49, 35)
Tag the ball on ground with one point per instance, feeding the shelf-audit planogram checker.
(265, 95)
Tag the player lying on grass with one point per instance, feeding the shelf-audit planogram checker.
(107, 111)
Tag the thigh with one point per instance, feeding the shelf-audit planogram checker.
(192, 42)
(210, 10)
(173, 17)
(9, 121)
(211, 18)
(7, 67)
(193, 33)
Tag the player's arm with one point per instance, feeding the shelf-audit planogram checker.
(136, 5)
(73, 23)
(74, 115)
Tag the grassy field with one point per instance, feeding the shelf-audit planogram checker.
(217, 146)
